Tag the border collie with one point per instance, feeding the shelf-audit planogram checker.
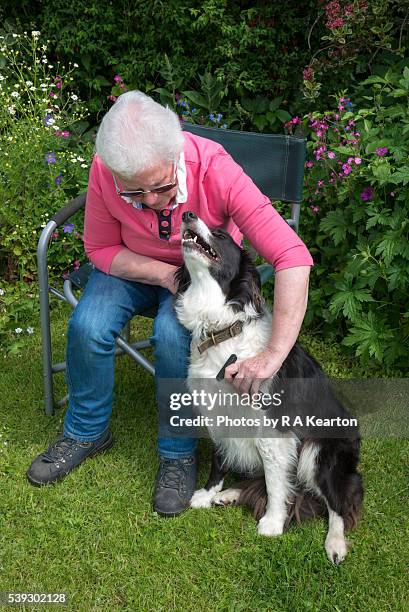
(303, 473)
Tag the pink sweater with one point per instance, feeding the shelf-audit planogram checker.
(218, 191)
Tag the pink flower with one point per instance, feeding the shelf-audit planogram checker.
(347, 168)
(112, 98)
(66, 134)
(367, 194)
(381, 151)
(308, 74)
(315, 209)
(117, 78)
(331, 154)
(58, 84)
(309, 164)
(358, 160)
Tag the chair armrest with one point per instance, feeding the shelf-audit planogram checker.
(69, 209)
(56, 220)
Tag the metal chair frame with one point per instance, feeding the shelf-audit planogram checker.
(286, 163)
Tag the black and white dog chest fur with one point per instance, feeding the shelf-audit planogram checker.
(301, 474)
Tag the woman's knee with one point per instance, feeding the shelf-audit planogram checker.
(87, 326)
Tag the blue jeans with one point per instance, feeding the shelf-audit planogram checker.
(106, 305)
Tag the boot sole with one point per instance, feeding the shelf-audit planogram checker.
(105, 446)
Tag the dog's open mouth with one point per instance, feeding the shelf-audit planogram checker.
(193, 240)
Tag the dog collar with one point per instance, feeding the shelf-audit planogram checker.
(214, 338)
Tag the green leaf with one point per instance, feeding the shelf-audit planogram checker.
(373, 79)
(368, 335)
(349, 299)
(401, 176)
(336, 225)
(197, 99)
(283, 115)
(275, 104)
(382, 172)
(378, 217)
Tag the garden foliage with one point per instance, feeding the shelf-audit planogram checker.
(357, 221)
(241, 65)
(44, 161)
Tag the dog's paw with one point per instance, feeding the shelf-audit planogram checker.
(336, 548)
(202, 498)
(227, 497)
(270, 527)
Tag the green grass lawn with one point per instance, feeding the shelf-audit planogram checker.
(95, 536)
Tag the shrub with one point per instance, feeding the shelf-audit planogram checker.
(357, 222)
(44, 161)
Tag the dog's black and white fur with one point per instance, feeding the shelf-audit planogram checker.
(303, 474)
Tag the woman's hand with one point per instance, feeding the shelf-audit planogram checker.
(247, 375)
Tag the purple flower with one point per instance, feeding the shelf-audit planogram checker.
(48, 120)
(347, 168)
(58, 179)
(367, 194)
(381, 151)
(50, 158)
(68, 228)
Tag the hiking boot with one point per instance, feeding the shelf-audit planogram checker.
(62, 457)
(175, 485)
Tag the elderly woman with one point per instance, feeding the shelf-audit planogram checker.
(144, 174)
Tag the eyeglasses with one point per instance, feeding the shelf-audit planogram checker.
(140, 192)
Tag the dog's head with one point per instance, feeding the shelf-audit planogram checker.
(215, 253)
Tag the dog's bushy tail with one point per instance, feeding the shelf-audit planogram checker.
(303, 507)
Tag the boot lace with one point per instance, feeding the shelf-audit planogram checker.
(60, 450)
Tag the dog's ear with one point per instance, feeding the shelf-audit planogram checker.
(182, 278)
(246, 287)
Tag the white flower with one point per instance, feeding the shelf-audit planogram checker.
(84, 165)
(75, 65)
(35, 33)
(2, 292)
(74, 97)
(30, 330)
(16, 86)
(29, 83)
(18, 330)
(15, 94)
(45, 61)
(14, 35)
(2, 77)
(32, 88)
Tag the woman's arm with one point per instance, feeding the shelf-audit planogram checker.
(290, 303)
(131, 266)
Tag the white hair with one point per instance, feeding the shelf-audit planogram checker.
(137, 134)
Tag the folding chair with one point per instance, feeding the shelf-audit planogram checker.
(276, 165)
